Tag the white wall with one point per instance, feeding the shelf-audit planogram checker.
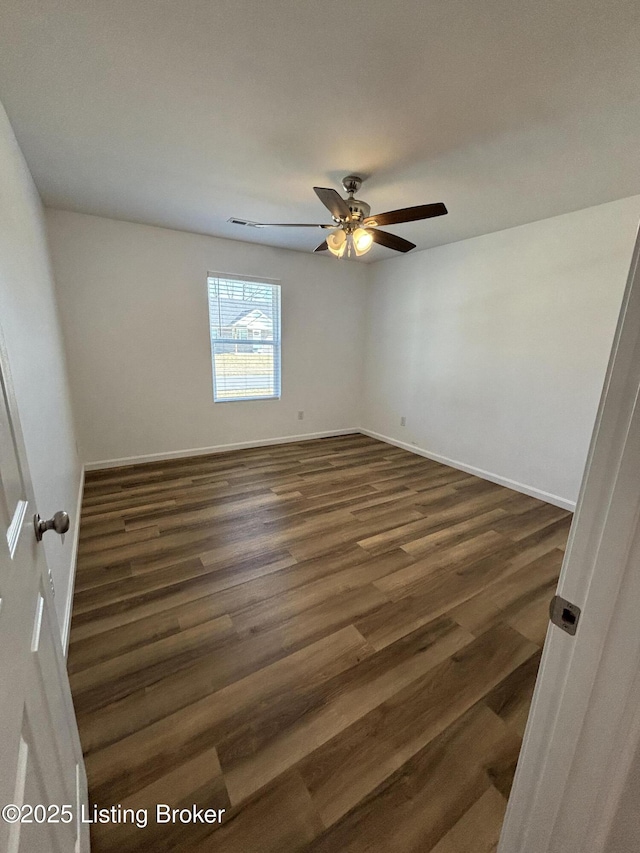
(133, 303)
(625, 830)
(495, 348)
(31, 330)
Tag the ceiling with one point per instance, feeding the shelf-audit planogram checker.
(182, 113)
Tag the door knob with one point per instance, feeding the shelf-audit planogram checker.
(59, 523)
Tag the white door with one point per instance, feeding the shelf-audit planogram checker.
(41, 768)
(583, 735)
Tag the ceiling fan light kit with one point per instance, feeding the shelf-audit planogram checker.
(337, 242)
(362, 241)
(342, 240)
(354, 229)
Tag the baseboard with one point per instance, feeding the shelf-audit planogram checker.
(66, 626)
(556, 500)
(218, 448)
(525, 489)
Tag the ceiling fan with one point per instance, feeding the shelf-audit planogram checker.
(353, 227)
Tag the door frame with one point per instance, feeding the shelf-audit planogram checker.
(583, 730)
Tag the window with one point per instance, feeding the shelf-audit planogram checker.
(244, 318)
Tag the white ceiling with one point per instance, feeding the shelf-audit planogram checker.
(183, 113)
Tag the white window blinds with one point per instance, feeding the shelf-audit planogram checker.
(244, 318)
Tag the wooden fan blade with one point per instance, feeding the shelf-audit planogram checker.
(406, 214)
(391, 241)
(334, 203)
(322, 247)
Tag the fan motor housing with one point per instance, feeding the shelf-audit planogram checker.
(359, 209)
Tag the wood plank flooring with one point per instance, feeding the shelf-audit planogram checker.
(335, 641)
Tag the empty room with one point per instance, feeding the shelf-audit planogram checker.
(319, 426)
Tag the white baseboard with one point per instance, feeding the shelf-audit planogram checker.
(564, 503)
(66, 627)
(218, 448)
(556, 500)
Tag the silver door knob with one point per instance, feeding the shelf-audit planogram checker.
(59, 523)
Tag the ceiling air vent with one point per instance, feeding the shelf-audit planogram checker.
(243, 222)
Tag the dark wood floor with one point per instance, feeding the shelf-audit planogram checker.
(336, 641)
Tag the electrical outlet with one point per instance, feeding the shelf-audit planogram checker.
(300, 415)
(403, 421)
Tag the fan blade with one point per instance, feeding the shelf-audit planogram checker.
(406, 214)
(391, 241)
(322, 247)
(334, 203)
(251, 224)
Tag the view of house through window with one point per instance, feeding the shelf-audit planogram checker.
(244, 318)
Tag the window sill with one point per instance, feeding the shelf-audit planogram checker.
(245, 399)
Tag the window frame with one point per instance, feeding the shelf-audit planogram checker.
(275, 342)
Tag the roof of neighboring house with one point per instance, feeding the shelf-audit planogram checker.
(230, 316)
(249, 316)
